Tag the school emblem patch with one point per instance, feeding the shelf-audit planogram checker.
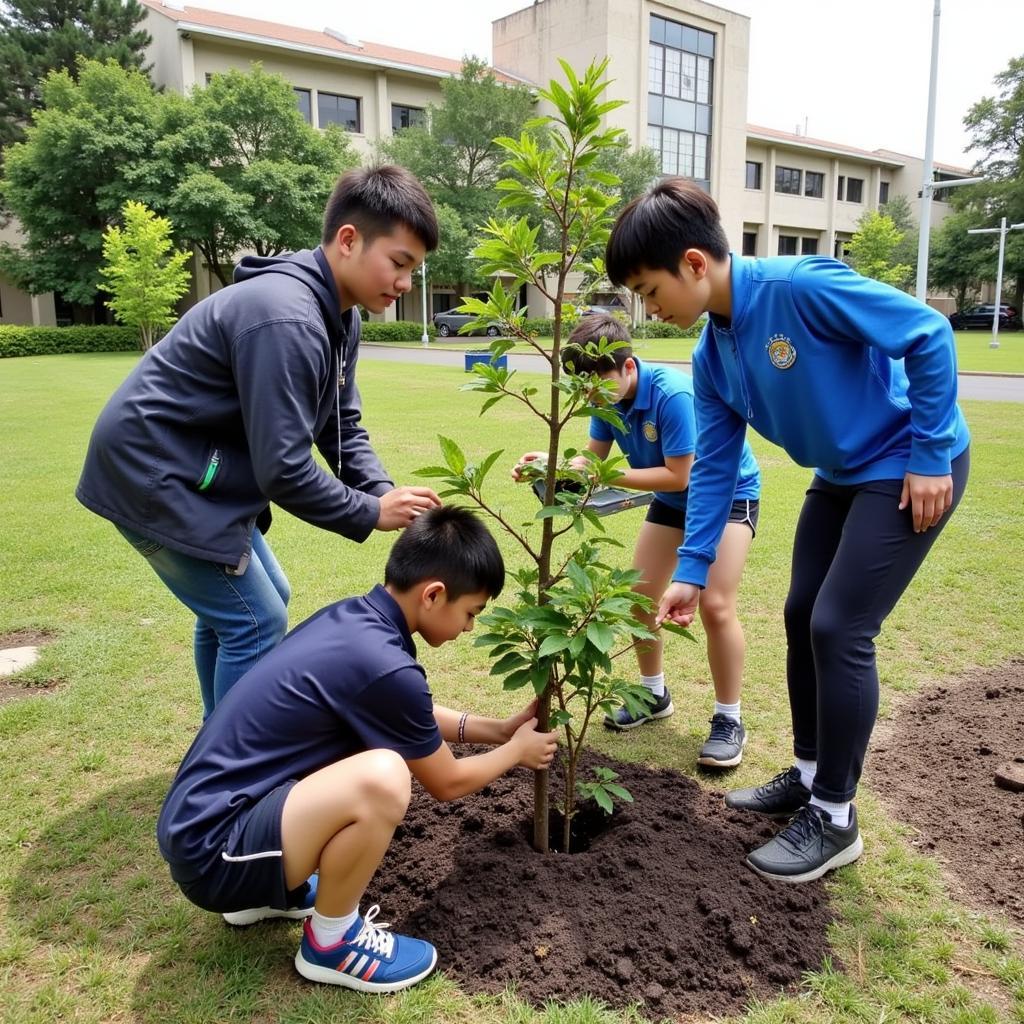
(650, 431)
(781, 352)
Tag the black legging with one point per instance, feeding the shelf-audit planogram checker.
(854, 554)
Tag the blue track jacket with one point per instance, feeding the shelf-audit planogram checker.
(848, 375)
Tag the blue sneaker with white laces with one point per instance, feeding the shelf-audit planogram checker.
(369, 958)
(241, 918)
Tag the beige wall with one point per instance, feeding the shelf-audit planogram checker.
(529, 43)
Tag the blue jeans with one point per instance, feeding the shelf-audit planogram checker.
(238, 618)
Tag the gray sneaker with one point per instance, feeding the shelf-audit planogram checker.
(780, 797)
(625, 719)
(807, 847)
(724, 746)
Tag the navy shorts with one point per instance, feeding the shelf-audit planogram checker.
(249, 869)
(744, 510)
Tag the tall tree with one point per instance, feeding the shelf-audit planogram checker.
(244, 171)
(872, 250)
(996, 127)
(143, 272)
(69, 180)
(40, 36)
(959, 261)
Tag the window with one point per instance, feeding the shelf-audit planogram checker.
(787, 245)
(855, 190)
(840, 187)
(753, 175)
(814, 184)
(342, 110)
(303, 100)
(809, 246)
(883, 193)
(679, 102)
(749, 243)
(787, 180)
(407, 117)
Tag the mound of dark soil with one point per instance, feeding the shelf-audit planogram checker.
(935, 769)
(659, 909)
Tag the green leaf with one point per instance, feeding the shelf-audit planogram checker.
(552, 645)
(433, 471)
(603, 800)
(507, 662)
(671, 627)
(601, 636)
(516, 680)
(453, 455)
(619, 791)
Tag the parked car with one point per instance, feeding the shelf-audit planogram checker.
(449, 323)
(980, 317)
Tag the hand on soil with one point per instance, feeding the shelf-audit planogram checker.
(536, 749)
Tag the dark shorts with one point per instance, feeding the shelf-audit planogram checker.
(249, 869)
(744, 510)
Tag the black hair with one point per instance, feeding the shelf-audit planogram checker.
(656, 228)
(449, 544)
(589, 331)
(375, 200)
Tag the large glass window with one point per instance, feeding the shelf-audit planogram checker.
(304, 103)
(749, 243)
(787, 180)
(753, 174)
(679, 82)
(883, 193)
(407, 117)
(814, 184)
(343, 110)
(854, 190)
(787, 245)
(809, 246)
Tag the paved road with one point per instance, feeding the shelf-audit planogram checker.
(988, 387)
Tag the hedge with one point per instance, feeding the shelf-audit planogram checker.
(397, 330)
(52, 341)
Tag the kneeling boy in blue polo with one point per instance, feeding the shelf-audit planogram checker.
(658, 438)
(305, 765)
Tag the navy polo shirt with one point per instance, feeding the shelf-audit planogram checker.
(660, 423)
(344, 681)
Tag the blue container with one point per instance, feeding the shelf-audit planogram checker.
(484, 356)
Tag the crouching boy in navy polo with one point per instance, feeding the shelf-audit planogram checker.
(287, 800)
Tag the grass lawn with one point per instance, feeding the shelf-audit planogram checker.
(92, 929)
(972, 347)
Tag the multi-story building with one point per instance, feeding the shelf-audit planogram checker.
(680, 65)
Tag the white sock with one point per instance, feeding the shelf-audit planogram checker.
(329, 931)
(840, 813)
(807, 771)
(656, 684)
(729, 710)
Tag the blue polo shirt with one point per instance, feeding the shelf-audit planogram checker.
(344, 681)
(660, 424)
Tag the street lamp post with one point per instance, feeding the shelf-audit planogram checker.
(1001, 232)
(425, 338)
(928, 186)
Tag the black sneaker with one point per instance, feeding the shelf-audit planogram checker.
(807, 847)
(782, 797)
(724, 746)
(625, 719)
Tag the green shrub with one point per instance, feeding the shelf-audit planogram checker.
(657, 329)
(397, 330)
(52, 341)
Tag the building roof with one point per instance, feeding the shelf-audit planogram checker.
(838, 148)
(199, 20)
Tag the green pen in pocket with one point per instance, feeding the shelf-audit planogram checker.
(211, 470)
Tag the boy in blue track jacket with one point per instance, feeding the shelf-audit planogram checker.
(219, 419)
(851, 377)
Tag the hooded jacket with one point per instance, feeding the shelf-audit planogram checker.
(219, 419)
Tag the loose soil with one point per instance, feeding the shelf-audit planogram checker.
(12, 691)
(934, 768)
(660, 909)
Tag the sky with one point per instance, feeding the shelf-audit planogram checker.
(848, 71)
